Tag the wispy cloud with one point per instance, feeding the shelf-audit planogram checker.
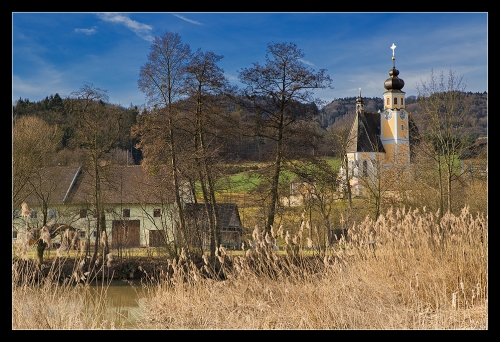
(186, 19)
(306, 62)
(142, 30)
(88, 32)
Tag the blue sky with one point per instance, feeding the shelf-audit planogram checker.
(59, 52)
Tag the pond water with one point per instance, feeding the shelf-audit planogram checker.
(122, 298)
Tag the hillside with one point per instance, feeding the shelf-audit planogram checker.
(342, 110)
(54, 111)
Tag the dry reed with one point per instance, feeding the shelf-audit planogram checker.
(55, 298)
(406, 270)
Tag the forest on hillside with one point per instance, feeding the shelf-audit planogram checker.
(54, 110)
(343, 109)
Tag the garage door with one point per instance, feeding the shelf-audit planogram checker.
(126, 234)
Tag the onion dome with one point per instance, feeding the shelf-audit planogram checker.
(394, 82)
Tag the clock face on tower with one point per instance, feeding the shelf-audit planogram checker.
(402, 115)
(387, 114)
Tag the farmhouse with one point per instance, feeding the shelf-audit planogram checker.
(139, 208)
(229, 223)
(381, 143)
(474, 160)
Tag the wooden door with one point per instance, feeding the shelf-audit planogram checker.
(126, 234)
(157, 238)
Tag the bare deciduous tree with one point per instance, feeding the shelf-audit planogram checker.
(445, 109)
(280, 93)
(99, 127)
(205, 85)
(319, 193)
(32, 141)
(162, 79)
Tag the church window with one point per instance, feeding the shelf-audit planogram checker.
(402, 127)
(395, 100)
(388, 101)
(402, 101)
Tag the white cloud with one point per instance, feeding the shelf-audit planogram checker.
(186, 19)
(87, 31)
(142, 30)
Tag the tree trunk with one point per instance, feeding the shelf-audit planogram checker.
(175, 181)
(40, 249)
(441, 190)
(274, 193)
(276, 178)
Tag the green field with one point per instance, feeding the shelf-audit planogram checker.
(247, 179)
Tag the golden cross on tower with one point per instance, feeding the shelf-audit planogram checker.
(393, 47)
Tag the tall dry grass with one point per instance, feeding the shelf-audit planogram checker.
(407, 270)
(55, 298)
(404, 271)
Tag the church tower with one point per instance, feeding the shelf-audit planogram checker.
(394, 123)
(378, 144)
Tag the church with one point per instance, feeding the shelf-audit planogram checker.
(381, 145)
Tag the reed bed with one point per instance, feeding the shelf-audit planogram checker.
(55, 299)
(407, 270)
